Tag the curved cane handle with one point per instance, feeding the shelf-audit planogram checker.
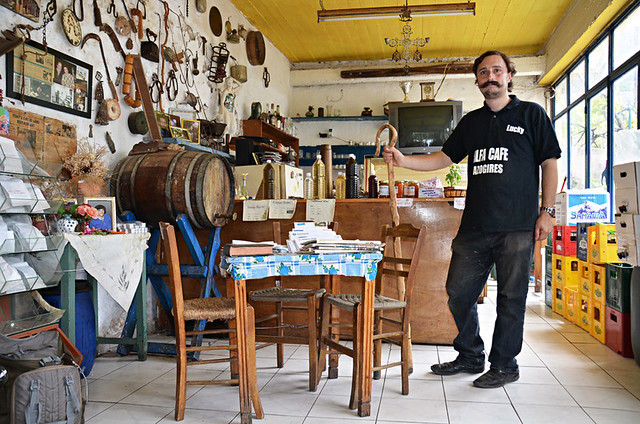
(392, 142)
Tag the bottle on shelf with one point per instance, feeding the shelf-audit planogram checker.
(352, 179)
(308, 186)
(319, 188)
(269, 181)
(244, 191)
(373, 185)
(278, 117)
(341, 184)
(272, 115)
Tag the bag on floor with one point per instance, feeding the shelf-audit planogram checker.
(43, 383)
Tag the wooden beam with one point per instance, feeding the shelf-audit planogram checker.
(456, 68)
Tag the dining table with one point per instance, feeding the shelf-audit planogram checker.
(240, 269)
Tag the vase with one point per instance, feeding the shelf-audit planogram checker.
(67, 225)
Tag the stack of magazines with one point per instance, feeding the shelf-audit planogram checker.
(341, 246)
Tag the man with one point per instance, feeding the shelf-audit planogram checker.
(507, 141)
(57, 76)
(103, 221)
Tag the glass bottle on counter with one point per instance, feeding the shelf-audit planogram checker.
(268, 181)
(278, 117)
(383, 189)
(272, 116)
(373, 185)
(318, 178)
(341, 184)
(308, 186)
(244, 191)
(353, 182)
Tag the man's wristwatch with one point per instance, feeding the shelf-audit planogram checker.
(549, 210)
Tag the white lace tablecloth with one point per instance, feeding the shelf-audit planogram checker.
(114, 260)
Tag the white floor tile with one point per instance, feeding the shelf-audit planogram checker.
(613, 416)
(545, 414)
(603, 397)
(465, 391)
(413, 410)
(467, 412)
(539, 394)
(131, 414)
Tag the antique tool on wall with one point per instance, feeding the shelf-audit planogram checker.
(172, 85)
(99, 92)
(138, 14)
(71, 27)
(96, 37)
(128, 80)
(111, 10)
(144, 8)
(97, 18)
(149, 49)
(155, 89)
(266, 77)
(119, 76)
(147, 106)
(114, 39)
(110, 143)
(132, 24)
(219, 59)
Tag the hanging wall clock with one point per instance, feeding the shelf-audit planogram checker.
(71, 27)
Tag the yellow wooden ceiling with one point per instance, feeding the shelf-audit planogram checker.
(517, 27)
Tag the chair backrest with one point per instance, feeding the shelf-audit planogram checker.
(402, 266)
(173, 260)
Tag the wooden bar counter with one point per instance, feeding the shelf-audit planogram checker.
(362, 219)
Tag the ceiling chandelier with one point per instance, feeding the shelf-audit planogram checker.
(324, 15)
(406, 43)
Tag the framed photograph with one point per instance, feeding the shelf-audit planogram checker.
(193, 126)
(181, 133)
(182, 113)
(163, 124)
(51, 79)
(175, 121)
(106, 207)
(427, 91)
(28, 8)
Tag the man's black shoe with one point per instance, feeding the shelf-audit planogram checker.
(455, 367)
(495, 378)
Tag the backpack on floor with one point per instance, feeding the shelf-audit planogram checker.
(43, 385)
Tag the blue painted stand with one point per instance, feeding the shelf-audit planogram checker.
(204, 268)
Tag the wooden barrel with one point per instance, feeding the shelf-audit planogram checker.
(160, 186)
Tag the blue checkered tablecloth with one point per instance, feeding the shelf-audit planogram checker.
(347, 264)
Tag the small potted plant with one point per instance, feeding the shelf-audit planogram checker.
(453, 177)
(72, 217)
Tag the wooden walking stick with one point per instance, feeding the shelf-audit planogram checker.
(395, 219)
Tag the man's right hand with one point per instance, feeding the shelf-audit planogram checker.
(390, 154)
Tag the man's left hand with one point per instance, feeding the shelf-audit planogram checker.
(544, 225)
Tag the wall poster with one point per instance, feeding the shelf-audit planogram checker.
(51, 79)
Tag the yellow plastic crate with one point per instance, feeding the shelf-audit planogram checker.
(602, 244)
(558, 297)
(598, 316)
(584, 277)
(571, 302)
(565, 270)
(598, 279)
(586, 312)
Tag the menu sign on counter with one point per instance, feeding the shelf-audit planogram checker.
(255, 210)
(321, 210)
(282, 209)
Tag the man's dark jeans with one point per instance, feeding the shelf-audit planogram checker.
(474, 253)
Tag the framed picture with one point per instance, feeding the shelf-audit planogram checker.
(427, 91)
(181, 133)
(193, 126)
(28, 8)
(182, 113)
(163, 124)
(106, 207)
(175, 121)
(51, 79)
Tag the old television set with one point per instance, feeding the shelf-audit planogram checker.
(424, 127)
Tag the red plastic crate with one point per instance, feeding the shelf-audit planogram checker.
(564, 240)
(618, 331)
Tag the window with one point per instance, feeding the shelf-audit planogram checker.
(599, 62)
(595, 107)
(626, 140)
(576, 82)
(598, 139)
(626, 38)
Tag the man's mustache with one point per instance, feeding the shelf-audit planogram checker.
(488, 83)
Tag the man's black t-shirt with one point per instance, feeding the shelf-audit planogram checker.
(505, 150)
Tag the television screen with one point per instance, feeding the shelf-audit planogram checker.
(424, 127)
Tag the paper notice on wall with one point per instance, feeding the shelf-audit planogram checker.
(282, 209)
(321, 210)
(404, 202)
(255, 210)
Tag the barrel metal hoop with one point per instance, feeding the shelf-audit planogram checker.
(199, 191)
(187, 193)
(132, 186)
(167, 184)
(114, 182)
(232, 185)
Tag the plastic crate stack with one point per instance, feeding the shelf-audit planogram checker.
(620, 276)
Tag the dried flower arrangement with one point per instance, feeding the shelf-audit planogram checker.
(88, 162)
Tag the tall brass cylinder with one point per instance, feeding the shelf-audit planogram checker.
(327, 158)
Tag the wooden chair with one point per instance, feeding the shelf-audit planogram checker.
(291, 299)
(403, 270)
(212, 308)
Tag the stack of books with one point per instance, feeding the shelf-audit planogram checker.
(247, 248)
(342, 246)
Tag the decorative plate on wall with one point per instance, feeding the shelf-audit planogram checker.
(215, 21)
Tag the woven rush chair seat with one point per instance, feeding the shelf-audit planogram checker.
(280, 294)
(210, 308)
(380, 303)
